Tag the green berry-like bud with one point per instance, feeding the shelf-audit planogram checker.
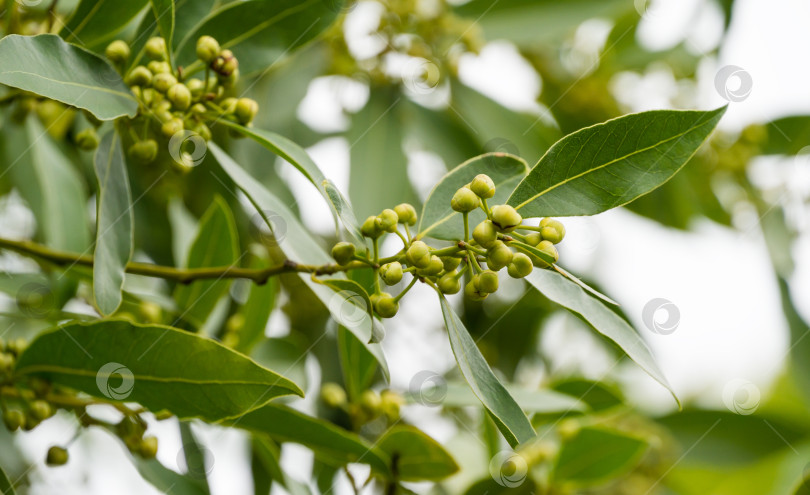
(548, 248)
(387, 220)
(117, 52)
(196, 86)
(229, 105)
(87, 139)
(144, 151)
(449, 284)
(450, 263)
(180, 96)
(505, 218)
(435, 267)
(156, 48)
(159, 67)
(207, 49)
(198, 109)
(390, 403)
(172, 127)
(386, 306)
(148, 447)
(57, 456)
(333, 394)
(483, 186)
(498, 256)
(406, 213)
(343, 252)
(391, 273)
(229, 81)
(14, 419)
(418, 254)
(488, 281)
(202, 130)
(139, 76)
(162, 82)
(370, 402)
(552, 230)
(17, 346)
(6, 363)
(485, 234)
(371, 228)
(520, 266)
(41, 409)
(534, 238)
(230, 64)
(464, 200)
(471, 290)
(246, 110)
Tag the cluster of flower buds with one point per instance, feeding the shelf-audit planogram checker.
(368, 407)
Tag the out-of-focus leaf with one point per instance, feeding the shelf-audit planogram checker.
(787, 136)
(269, 455)
(95, 23)
(256, 310)
(597, 395)
(194, 455)
(536, 401)
(507, 414)
(187, 14)
(440, 132)
(157, 366)
(286, 356)
(164, 13)
(570, 276)
(416, 456)
(358, 365)
(47, 66)
(168, 481)
(114, 229)
(6, 487)
(596, 455)
(611, 164)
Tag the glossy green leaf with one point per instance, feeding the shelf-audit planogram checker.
(357, 364)
(611, 164)
(256, 310)
(440, 221)
(114, 228)
(298, 244)
(572, 297)
(354, 294)
(164, 13)
(260, 33)
(501, 406)
(331, 444)
(596, 455)
(6, 486)
(157, 366)
(573, 278)
(168, 481)
(415, 456)
(216, 245)
(47, 66)
(535, 401)
(341, 206)
(95, 23)
(193, 455)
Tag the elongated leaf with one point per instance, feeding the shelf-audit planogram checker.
(787, 135)
(95, 23)
(260, 33)
(502, 408)
(415, 455)
(529, 249)
(257, 309)
(611, 164)
(596, 455)
(47, 66)
(194, 454)
(157, 366)
(268, 455)
(570, 276)
(164, 13)
(341, 206)
(187, 15)
(440, 221)
(299, 245)
(536, 401)
(331, 444)
(114, 224)
(572, 297)
(216, 245)
(358, 365)
(168, 481)
(6, 487)
(355, 294)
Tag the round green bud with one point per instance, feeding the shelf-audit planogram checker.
(144, 151)
(534, 238)
(156, 48)
(435, 267)
(41, 409)
(196, 86)
(548, 248)
(6, 362)
(246, 109)
(343, 252)
(117, 52)
(229, 105)
(180, 96)
(488, 281)
(391, 273)
(14, 419)
(406, 213)
(229, 64)
(520, 266)
(57, 456)
(139, 76)
(333, 394)
(207, 49)
(87, 139)
(498, 256)
(162, 82)
(553, 231)
(17, 346)
(483, 186)
(198, 109)
(418, 254)
(450, 263)
(202, 130)
(449, 284)
(390, 404)
(148, 447)
(172, 127)
(149, 96)
(370, 402)
(159, 67)
(505, 218)
(485, 234)
(471, 290)
(464, 200)
(371, 228)
(386, 306)
(229, 81)
(387, 220)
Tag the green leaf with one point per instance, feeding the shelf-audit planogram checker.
(331, 444)
(572, 297)
(6, 487)
(529, 249)
(510, 419)
(415, 456)
(168, 481)
(358, 365)
(286, 356)
(193, 454)
(47, 66)
(256, 310)
(216, 245)
(299, 245)
(535, 401)
(611, 164)
(787, 136)
(157, 366)
(260, 33)
(187, 14)
(570, 276)
(596, 455)
(440, 221)
(114, 224)
(269, 456)
(164, 13)
(95, 23)
(355, 296)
